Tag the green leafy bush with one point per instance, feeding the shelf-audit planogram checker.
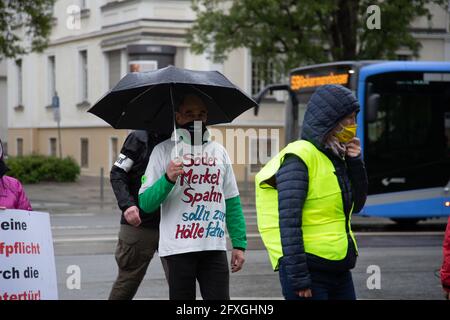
(37, 168)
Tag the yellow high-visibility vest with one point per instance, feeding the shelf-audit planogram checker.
(323, 217)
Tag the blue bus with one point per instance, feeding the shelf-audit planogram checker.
(404, 127)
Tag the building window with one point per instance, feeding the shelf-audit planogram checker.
(142, 65)
(261, 151)
(114, 67)
(83, 75)
(84, 12)
(263, 73)
(113, 149)
(84, 152)
(51, 78)
(53, 147)
(5, 149)
(19, 147)
(19, 82)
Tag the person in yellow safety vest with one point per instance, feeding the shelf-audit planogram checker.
(305, 197)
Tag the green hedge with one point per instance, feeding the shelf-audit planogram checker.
(37, 168)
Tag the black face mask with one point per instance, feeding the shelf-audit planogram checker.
(3, 168)
(196, 132)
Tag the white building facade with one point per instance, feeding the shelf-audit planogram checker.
(96, 42)
(93, 44)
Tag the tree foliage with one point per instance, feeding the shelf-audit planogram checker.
(25, 26)
(296, 32)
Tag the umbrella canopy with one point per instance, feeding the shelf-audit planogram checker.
(146, 100)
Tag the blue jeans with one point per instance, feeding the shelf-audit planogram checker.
(324, 285)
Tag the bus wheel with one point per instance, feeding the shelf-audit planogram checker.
(406, 222)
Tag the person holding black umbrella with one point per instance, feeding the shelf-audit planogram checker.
(192, 180)
(198, 199)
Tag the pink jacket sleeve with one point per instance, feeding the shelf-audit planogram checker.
(445, 269)
(22, 201)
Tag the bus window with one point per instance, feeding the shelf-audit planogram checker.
(447, 129)
(407, 146)
(303, 99)
(304, 81)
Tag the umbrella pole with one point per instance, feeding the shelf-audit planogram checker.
(175, 129)
(174, 124)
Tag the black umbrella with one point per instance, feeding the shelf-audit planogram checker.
(146, 100)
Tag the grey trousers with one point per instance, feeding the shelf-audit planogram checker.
(134, 251)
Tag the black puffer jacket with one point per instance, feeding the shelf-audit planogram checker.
(127, 171)
(326, 108)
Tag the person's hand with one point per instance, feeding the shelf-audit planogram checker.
(237, 260)
(353, 148)
(132, 216)
(305, 293)
(174, 170)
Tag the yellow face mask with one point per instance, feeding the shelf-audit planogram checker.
(347, 133)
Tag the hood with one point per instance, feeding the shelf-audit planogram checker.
(328, 105)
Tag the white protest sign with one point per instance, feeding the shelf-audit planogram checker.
(27, 260)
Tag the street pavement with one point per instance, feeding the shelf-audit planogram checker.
(85, 226)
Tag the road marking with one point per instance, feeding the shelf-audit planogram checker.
(39, 204)
(62, 215)
(83, 227)
(84, 239)
(379, 234)
(69, 227)
(399, 233)
(257, 235)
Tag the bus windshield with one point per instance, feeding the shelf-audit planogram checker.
(407, 146)
(304, 81)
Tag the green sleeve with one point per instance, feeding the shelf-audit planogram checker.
(151, 199)
(236, 223)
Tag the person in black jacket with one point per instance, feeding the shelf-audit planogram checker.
(139, 232)
(330, 125)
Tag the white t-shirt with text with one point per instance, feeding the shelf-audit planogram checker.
(193, 214)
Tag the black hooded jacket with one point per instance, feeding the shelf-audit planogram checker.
(126, 182)
(326, 108)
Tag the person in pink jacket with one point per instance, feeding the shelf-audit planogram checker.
(445, 269)
(12, 195)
